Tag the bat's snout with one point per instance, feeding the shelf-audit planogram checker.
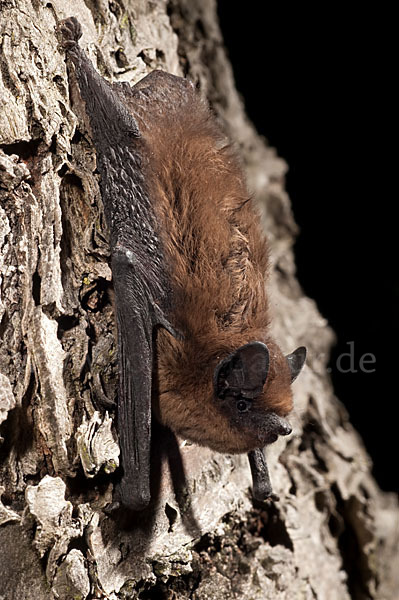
(272, 427)
(285, 428)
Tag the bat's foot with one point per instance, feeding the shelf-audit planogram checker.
(111, 508)
(262, 494)
(272, 498)
(71, 32)
(101, 399)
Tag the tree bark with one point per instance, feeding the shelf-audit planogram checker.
(332, 535)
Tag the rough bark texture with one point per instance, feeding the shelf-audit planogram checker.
(332, 535)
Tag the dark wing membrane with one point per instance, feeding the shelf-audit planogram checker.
(139, 274)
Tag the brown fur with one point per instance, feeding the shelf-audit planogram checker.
(218, 263)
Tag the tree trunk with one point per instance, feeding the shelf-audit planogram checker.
(332, 535)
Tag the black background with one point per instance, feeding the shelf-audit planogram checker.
(318, 83)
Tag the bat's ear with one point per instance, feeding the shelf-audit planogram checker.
(296, 360)
(243, 373)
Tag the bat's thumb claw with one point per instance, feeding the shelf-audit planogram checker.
(71, 32)
(160, 319)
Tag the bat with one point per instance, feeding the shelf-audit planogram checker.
(189, 264)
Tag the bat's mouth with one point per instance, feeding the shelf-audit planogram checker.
(268, 439)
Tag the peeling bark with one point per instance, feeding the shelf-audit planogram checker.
(333, 534)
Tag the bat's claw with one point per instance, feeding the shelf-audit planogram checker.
(162, 321)
(274, 497)
(71, 32)
(111, 508)
(264, 497)
(100, 397)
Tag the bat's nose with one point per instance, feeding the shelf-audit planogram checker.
(274, 426)
(284, 428)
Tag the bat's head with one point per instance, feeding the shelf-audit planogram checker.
(252, 390)
(234, 404)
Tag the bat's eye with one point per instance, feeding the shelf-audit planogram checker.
(242, 406)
